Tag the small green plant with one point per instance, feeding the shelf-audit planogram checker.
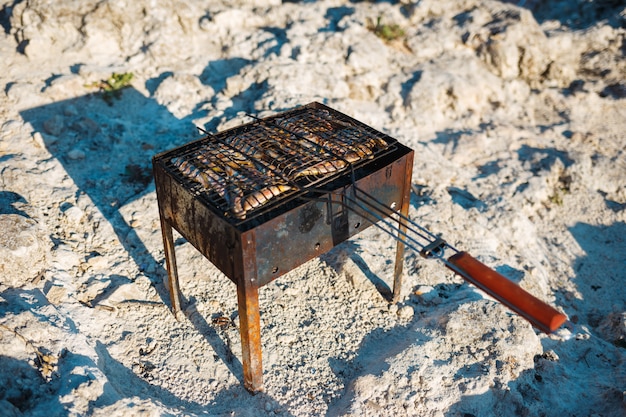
(113, 86)
(557, 198)
(387, 32)
(561, 189)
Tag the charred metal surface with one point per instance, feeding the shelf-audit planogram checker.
(309, 215)
(215, 238)
(317, 226)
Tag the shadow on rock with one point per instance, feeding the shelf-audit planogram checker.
(600, 277)
(585, 366)
(350, 250)
(576, 14)
(11, 202)
(124, 383)
(107, 149)
(22, 387)
(372, 360)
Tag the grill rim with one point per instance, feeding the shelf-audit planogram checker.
(291, 198)
(281, 206)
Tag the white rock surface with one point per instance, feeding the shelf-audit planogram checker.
(517, 116)
(24, 250)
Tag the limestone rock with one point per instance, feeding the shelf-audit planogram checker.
(512, 45)
(452, 88)
(23, 249)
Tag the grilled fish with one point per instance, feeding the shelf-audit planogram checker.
(300, 128)
(247, 147)
(324, 167)
(211, 181)
(192, 172)
(262, 196)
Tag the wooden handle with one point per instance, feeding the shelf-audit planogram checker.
(541, 315)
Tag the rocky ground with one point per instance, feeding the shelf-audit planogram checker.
(517, 114)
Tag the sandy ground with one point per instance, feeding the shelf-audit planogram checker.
(517, 114)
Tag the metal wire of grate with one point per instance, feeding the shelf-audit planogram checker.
(261, 163)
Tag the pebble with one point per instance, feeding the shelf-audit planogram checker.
(426, 293)
(76, 154)
(74, 214)
(86, 126)
(70, 110)
(286, 339)
(205, 23)
(290, 291)
(23, 249)
(54, 125)
(10, 127)
(551, 356)
(406, 312)
(56, 294)
(98, 262)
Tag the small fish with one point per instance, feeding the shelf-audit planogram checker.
(380, 142)
(337, 150)
(234, 159)
(246, 145)
(330, 123)
(352, 135)
(236, 208)
(191, 171)
(262, 196)
(363, 150)
(324, 167)
(354, 151)
(209, 179)
(357, 145)
(353, 156)
(296, 126)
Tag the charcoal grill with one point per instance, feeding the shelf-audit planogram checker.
(262, 198)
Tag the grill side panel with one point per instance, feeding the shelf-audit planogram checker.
(289, 240)
(214, 237)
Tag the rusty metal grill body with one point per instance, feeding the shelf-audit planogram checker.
(261, 199)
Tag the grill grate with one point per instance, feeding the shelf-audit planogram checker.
(245, 171)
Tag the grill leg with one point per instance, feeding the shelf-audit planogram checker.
(249, 317)
(397, 272)
(404, 210)
(172, 271)
(250, 329)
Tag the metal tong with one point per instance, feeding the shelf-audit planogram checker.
(430, 246)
